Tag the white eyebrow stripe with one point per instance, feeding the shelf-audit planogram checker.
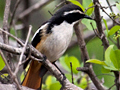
(73, 11)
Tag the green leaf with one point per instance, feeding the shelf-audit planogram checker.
(118, 6)
(2, 64)
(105, 24)
(112, 58)
(110, 68)
(90, 10)
(55, 86)
(75, 63)
(106, 32)
(48, 81)
(87, 22)
(83, 82)
(107, 55)
(62, 62)
(77, 3)
(115, 58)
(4, 75)
(69, 77)
(113, 30)
(22, 76)
(96, 61)
(86, 3)
(104, 70)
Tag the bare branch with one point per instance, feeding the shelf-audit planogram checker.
(66, 85)
(109, 5)
(14, 11)
(87, 66)
(12, 87)
(12, 36)
(81, 42)
(99, 25)
(10, 71)
(23, 50)
(35, 7)
(5, 19)
(107, 14)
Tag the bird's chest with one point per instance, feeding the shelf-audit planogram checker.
(56, 43)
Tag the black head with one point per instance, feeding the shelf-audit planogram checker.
(69, 13)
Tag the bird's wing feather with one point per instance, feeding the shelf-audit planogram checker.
(37, 40)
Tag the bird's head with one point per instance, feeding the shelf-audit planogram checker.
(69, 13)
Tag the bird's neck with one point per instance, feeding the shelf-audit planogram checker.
(59, 22)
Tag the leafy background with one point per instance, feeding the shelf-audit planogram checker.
(94, 46)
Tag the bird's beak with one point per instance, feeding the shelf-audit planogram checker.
(88, 17)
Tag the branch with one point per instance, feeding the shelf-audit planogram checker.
(90, 34)
(108, 14)
(87, 66)
(102, 35)
(33, 8)
(19, 41)
(5, 19)
(14, 11)
(10, 71)
(66, 85)
(12, 87)
(99, 25)
(23, 50)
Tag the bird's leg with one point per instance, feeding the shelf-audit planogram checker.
(58, 68)
(43, 70)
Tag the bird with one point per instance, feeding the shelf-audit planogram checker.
(52, 40)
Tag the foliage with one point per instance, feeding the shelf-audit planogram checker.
(118, 5)
(70, 59)
(108, 61)
(77, 3)
(113, 30)
(2, 64)
(52, 84)
(111, 62)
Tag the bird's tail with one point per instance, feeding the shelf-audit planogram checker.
(32, 78)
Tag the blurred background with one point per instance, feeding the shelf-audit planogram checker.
(39, 16)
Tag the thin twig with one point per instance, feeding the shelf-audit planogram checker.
(108, 14)
(10, 71)
(5, 19)
(111, 87)
(72, 73)
(50, 13)
(99, 25)
(118, 43)
(89, 8)
(14, 11)
(24, 48)
(28, 57)
(12, 36)
(61, 3)
(35, 7)
(109, 5)
(95, 31)
(5, 76)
